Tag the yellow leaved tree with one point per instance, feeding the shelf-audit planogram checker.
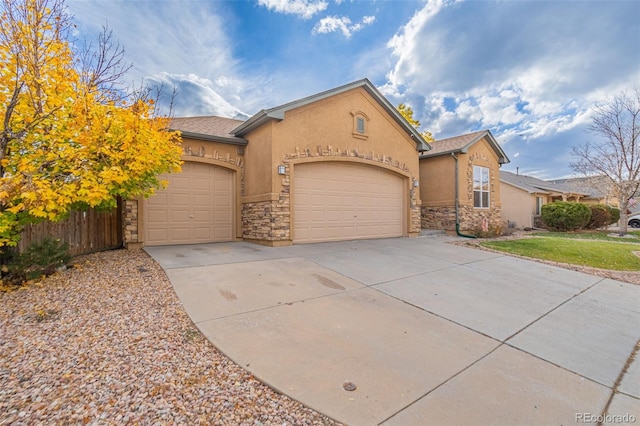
(407, 112)
(70, 136)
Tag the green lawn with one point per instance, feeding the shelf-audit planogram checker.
(593, 235)
(582, 251)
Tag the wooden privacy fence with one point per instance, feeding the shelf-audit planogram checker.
(85, 231)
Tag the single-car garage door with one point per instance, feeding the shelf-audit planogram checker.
(196, 207)
(343, 201)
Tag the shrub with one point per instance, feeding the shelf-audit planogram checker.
(565, 216)
(600, 216)
(493, 230)
(41, 259)
(615, 214)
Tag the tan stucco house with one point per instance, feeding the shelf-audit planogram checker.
(598, 188)
(337, 165)
(460, 183)
(523, 198)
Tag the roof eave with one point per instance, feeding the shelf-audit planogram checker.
(530, 191)
(211, 138)
(256, 121)
(563, 191)
(438, 154)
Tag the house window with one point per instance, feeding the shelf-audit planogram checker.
(360, 129)
(480, 187)
(539, 206)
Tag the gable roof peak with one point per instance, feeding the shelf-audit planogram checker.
(278, 113)
(462, 143)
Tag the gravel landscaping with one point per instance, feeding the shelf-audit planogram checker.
(108, 342)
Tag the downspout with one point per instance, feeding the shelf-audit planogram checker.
(458, 202)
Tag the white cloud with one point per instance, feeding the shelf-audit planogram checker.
(195, 96)
(500, 108)
(529, 72)
(405, 43)
(343, 24)
(303, 8)
(196, 56)
(368, 20)
(155, 48)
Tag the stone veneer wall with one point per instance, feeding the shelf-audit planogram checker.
(267, 220)
(271, 220)
(130, 222)
(471, 219)
(439, 218)
(444, 217)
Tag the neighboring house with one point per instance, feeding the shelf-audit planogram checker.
(524, 196)
(338, 165)
(460, 182)
(596, 188)
(599, 190)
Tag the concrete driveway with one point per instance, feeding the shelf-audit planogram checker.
(429, 332)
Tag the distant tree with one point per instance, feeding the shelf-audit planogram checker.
(407, 112)
(617, 121)
(71, 136)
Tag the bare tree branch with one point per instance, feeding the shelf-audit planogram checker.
(102, 67)
(617, 122)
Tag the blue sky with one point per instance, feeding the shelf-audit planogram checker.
(529, 71)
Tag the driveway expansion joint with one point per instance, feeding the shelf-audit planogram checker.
(616, 385)
(553, 309)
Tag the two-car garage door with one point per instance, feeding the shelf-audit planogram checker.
(196, 207)
(343, 201)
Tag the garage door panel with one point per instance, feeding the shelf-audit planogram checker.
(338, 201)
(178, 182)
(202, 183)
(160, 198)
(202, 200)
(222, 201)
(222, 217)
(158, 234)
(178, 199)
(221, 233)
(180, 234)
(202, 216)
(157, 216)
(222, 185)
(176, 216)
(197, 206)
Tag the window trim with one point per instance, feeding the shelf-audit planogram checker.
(484, 174)
(360, 117)
(539, 204)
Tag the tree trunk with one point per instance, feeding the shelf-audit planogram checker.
(623, 203)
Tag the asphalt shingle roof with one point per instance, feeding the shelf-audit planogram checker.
(594, 185)
(531, 184)
(453, 144)
(462, 142)
(207, 125)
